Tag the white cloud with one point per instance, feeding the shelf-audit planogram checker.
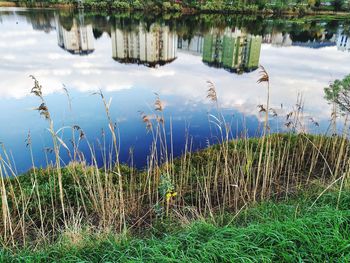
(292, 70)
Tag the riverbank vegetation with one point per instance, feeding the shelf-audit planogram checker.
(288, 231)
(300, 29)
(189, 6)
(217, 184)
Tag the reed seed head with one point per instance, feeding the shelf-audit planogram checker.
(43, 110)
(211, 93)
(261, 108)
(264, 76)
(158, 105)
(37, 89)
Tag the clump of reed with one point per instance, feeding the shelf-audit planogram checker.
(42, 204)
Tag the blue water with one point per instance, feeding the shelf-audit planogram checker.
(173, 58)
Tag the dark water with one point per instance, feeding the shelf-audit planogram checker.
(132, 57)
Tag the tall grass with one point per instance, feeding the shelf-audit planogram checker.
(269, 232)
(43, 204)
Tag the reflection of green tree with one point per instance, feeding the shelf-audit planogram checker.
(127, 24)
(332, 26)
(338, 5)
(98, 21)
(187, 26)
(40, 19)
(66, 19)
(97, 33)
(257, 28)
(346, 30)
(309, 32)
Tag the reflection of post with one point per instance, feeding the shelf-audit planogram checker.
(233, 50)
(79, 39)
(343, 41)
(152, 48)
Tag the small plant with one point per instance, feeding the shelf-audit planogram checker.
(44, 111)
(338, 92)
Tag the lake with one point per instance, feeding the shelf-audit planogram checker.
(134, 58)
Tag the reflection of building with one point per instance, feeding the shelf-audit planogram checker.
(343, 42)
(278, 39)
(301, 39)
(314, 44)
(42, 24)
(193, 46)
(320, 42)
(155, 47)
(233, 50)
(78, 40)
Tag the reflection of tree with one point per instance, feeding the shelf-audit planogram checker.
(304, 36)
(99, 22)
(97, 33)
(254, 27)
(127, 24)
(188, 27)
(332, 26)
(306, 32)
(346, 30)
(66, 19)
(314, 35)
(41, 20)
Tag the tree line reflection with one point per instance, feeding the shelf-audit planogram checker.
(231, 43)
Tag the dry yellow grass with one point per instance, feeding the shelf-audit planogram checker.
(7, 4)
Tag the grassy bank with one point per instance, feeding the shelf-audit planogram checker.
(273, 198)
(208, 184)
(226, 177)
(289, 231)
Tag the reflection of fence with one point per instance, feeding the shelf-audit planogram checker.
(80, 4)
(343, 42)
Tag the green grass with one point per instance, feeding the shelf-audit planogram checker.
(289, 231)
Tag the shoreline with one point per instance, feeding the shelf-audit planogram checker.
(183, 11)
(173, 207)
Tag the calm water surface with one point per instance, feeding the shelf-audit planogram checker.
(132, 57)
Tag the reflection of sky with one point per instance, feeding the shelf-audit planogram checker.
(182, 84)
